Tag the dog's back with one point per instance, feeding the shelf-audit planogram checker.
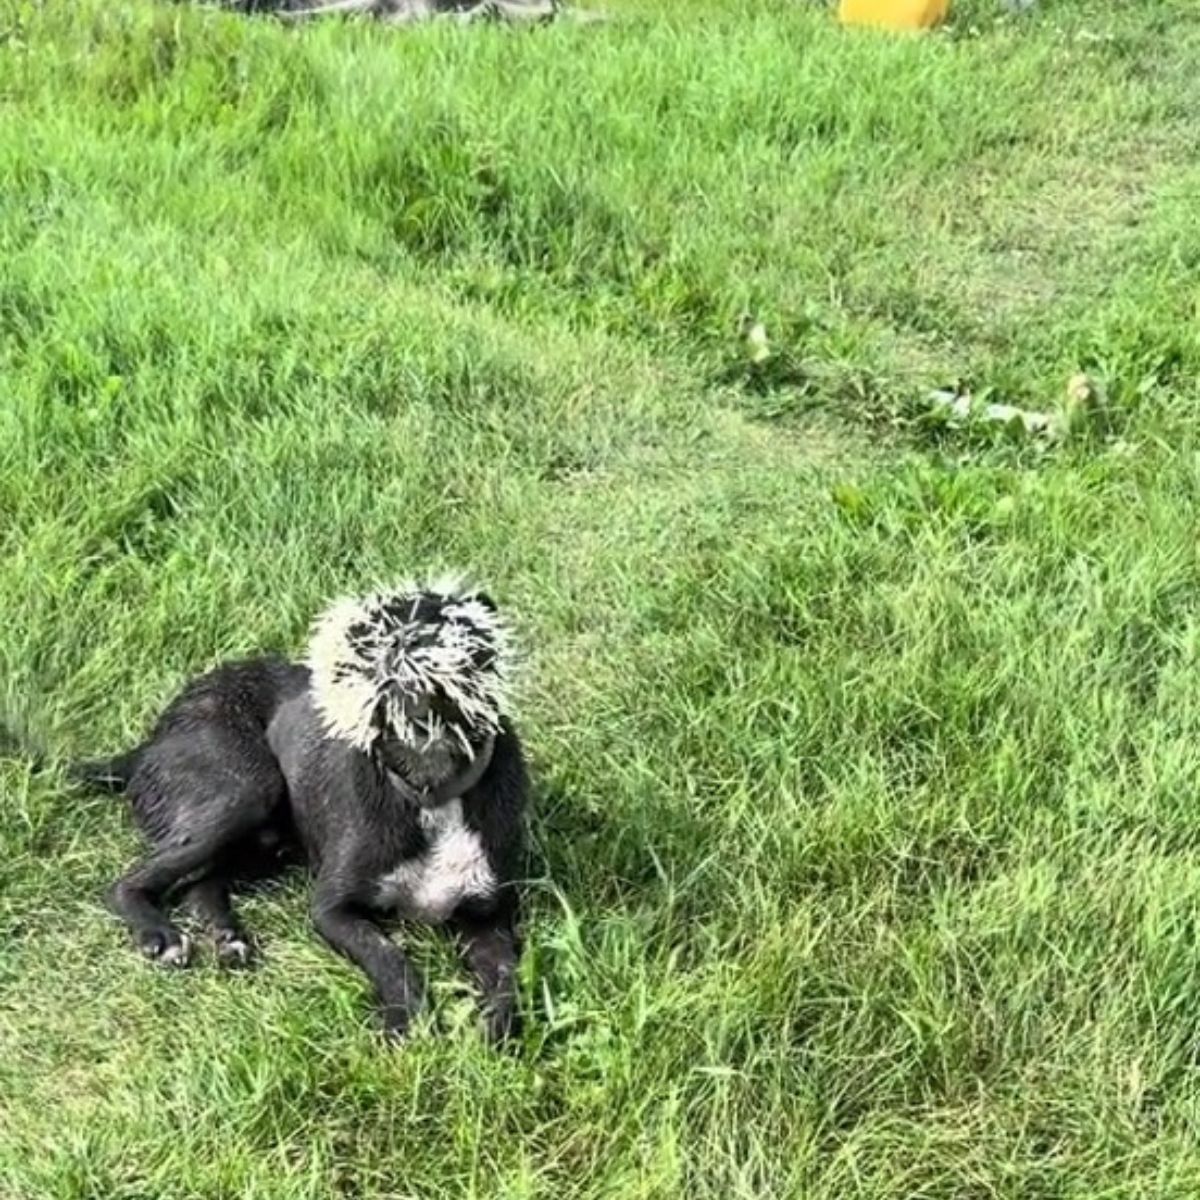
(241, 696)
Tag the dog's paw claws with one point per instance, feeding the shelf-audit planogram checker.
(397, 1021)
(234, 952)
(395, 1031)
(502, 1027)
(168, 953)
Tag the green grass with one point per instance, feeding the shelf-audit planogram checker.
(867, 748)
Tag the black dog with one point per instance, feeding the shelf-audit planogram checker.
(387, 760)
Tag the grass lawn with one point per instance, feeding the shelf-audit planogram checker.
(867, 743)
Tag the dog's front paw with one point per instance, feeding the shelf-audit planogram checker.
(502, 1023)
(234, 950)
(397, 1019)
(166, 947)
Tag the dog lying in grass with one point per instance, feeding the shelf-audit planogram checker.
(387, 758)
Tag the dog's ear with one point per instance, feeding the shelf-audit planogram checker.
(486, 600)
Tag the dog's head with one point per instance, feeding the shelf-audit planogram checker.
(417, 676)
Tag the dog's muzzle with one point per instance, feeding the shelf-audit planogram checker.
(451, 789)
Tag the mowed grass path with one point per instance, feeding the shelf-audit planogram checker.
(867, 749)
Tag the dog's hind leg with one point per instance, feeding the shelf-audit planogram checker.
(209, 899)
(136, 896)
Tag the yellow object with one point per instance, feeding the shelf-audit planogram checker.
(893, 14)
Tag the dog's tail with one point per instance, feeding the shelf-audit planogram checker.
(105, 774)
(101, 774)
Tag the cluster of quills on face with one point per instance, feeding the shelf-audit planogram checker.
(419, 665)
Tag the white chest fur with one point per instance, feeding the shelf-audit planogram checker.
(453, 868)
